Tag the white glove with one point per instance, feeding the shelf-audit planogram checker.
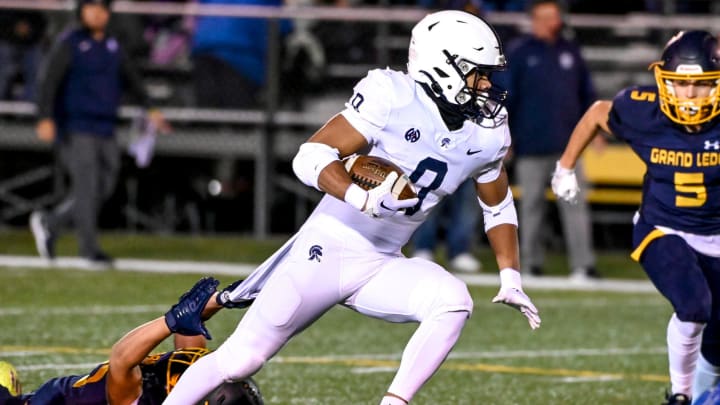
(380, 202)
(564, 184)
(511, 294)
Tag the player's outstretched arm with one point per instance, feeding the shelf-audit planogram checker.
(124, 381)
(594, 120)
(500, 219)
(564, 183)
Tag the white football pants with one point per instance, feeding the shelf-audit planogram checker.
(322, 270)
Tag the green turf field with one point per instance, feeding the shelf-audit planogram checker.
(593, 347)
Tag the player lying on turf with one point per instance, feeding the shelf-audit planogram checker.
(132, 376)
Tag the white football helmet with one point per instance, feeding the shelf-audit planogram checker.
(445, 48)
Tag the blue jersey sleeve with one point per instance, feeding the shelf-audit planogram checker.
(635, 112)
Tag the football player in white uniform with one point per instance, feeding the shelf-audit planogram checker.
(441, 122)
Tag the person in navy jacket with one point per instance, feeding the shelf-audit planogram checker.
(549, 87)
(80, 92)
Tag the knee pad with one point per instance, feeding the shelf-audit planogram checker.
(697, 311)
(238, 362)
(450, 295)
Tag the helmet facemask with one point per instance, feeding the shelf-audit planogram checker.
(179, 361)
(692, 111)
(690, 58)
(473, 103)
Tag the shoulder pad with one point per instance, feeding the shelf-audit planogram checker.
(375, 96)
(637, 108)
(402, 84)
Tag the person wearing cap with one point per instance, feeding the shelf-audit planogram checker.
(80, 90)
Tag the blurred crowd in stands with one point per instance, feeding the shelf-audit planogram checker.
(221, 62)
(227, 55)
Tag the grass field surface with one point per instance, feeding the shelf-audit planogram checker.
(592, 348)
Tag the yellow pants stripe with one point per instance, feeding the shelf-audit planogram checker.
(656, 233)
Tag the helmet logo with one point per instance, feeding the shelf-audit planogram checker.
(689, 69)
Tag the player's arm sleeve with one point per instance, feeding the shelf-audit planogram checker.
(369, 107)
(491, 171)
(51, 76)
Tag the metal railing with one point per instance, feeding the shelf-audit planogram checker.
(268, 141)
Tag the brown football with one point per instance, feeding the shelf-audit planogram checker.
(369, 172)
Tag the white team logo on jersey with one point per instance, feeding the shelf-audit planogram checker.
(715, 145)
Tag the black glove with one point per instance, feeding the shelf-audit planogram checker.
(184, 317)
(223, 298)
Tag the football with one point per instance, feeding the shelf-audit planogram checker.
(369, 172)
(9, 378)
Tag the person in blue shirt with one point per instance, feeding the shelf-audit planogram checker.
(672, 127)
(549, 86)
(229, 57)
(79, 95)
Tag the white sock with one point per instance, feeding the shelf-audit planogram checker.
(706, 376)
(424, 353)
(196, 382)
(683, 340)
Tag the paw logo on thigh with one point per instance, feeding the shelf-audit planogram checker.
(315, 252)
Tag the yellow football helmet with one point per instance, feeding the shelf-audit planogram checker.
(179, 361)
(9, 378)
(176, 361)
(689, 57)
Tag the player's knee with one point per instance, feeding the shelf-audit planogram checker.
(237, 362)
(687, 328)
(698, 310)
(451, 295)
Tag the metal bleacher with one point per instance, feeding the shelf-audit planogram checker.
(618, 49)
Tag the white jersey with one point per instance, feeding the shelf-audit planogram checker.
(403, 124)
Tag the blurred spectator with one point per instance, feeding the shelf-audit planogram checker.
(549, 89)
(80, 91)
(21, 35)
(168, 36)
(458, 215)
(605, 7)
(229, 56)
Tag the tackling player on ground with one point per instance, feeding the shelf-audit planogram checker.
(442, 123)
(133, 376)
(673, 128)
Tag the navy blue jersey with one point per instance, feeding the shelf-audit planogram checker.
(160, 372)
(681, 188)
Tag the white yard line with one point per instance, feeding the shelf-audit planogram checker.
(87, 310)
(354, 359)
(243, 269)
